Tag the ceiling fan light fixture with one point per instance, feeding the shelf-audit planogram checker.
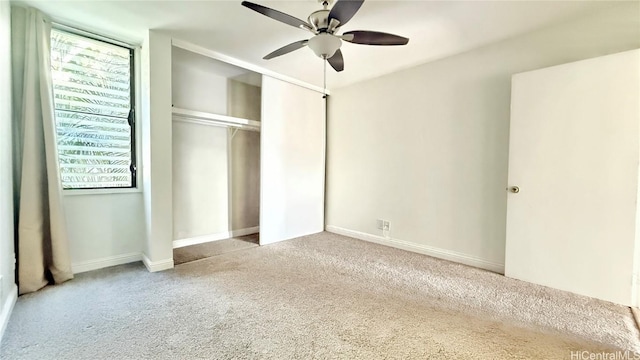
(324, 45)
(325, 25)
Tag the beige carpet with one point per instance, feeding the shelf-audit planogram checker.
(319, 297)
(214, 248)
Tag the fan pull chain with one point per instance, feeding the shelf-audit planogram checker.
(325, 79)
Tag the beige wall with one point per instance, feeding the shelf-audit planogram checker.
(427, 148)
(244, 100)
(245, 179)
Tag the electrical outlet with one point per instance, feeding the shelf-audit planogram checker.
(385, 225)
(380, 224)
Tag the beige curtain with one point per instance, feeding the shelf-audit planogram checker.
(43, 250)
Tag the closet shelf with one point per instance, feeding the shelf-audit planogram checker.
(205, 118)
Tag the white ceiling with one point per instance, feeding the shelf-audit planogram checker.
(436, 29)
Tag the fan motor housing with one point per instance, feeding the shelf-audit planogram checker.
(319, 20)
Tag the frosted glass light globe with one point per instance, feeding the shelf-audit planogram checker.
(324, 45)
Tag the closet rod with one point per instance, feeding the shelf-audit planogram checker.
(205, 118)
(215, 123)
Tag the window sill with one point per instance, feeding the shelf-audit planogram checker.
(101, 191)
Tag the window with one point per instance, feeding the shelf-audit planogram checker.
(93, 98)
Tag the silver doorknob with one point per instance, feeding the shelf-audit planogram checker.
(514, 189)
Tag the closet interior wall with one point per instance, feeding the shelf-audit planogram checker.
(216, 165)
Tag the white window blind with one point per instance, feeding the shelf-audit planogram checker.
(92, 87)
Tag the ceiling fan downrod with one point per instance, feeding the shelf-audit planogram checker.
(325, 3)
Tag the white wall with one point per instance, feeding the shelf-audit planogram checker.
(215, 176)
(156, 150)
(427, 148)
(104, 229)
(200, 180)
(8, 289)
(194, 85)
(107, 227)
(200, 189)
(216, 180)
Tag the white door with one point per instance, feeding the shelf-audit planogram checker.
(574, 157)
(292, 158)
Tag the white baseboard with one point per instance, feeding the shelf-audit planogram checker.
(421, 249)
(214, 237)
(7, 308)
(155, 266)
(96, 264)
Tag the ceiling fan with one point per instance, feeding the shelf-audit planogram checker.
(325, 24)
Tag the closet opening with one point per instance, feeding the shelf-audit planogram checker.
(216, 156)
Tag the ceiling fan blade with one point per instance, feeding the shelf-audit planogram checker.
(344, 10)
(287, 49)
(277, 15)
(336, 61)
(373, 38)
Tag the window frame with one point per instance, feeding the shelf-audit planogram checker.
(134, 89)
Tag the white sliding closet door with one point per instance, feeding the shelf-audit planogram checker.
(292, 161)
